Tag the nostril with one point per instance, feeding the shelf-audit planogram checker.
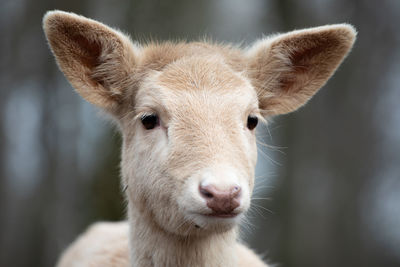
(236, 191)
(205, 192)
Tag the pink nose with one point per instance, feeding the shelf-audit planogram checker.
(221, 201)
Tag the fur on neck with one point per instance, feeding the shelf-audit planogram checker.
(150, 245)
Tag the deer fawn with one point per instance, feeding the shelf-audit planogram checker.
(187, 112)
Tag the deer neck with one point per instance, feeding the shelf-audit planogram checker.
(151, 246)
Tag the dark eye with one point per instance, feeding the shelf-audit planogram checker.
(150, 121)
(252, 122)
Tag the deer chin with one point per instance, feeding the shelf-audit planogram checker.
(197, 224)
(212, 221)
(190, 223)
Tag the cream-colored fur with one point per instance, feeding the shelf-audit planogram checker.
(104, 244)
(203, 94)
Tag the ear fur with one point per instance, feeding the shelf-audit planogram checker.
(95, 59)
(288, 69)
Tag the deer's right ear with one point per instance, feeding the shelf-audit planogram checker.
(97, 60)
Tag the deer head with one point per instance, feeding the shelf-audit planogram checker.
(188, 111)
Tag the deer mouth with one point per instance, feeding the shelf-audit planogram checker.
(221, 215)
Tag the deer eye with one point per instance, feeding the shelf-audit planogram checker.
(150, 121)
(252, 122)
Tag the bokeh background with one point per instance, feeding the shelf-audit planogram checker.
(328, 183)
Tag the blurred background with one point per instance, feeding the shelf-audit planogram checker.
(328, 185)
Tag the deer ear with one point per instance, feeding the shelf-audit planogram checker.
(288, 69)
(96, 59)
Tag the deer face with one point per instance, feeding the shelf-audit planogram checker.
(187, 111)
(189, 148)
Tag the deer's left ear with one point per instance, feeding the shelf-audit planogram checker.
(288, 69)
